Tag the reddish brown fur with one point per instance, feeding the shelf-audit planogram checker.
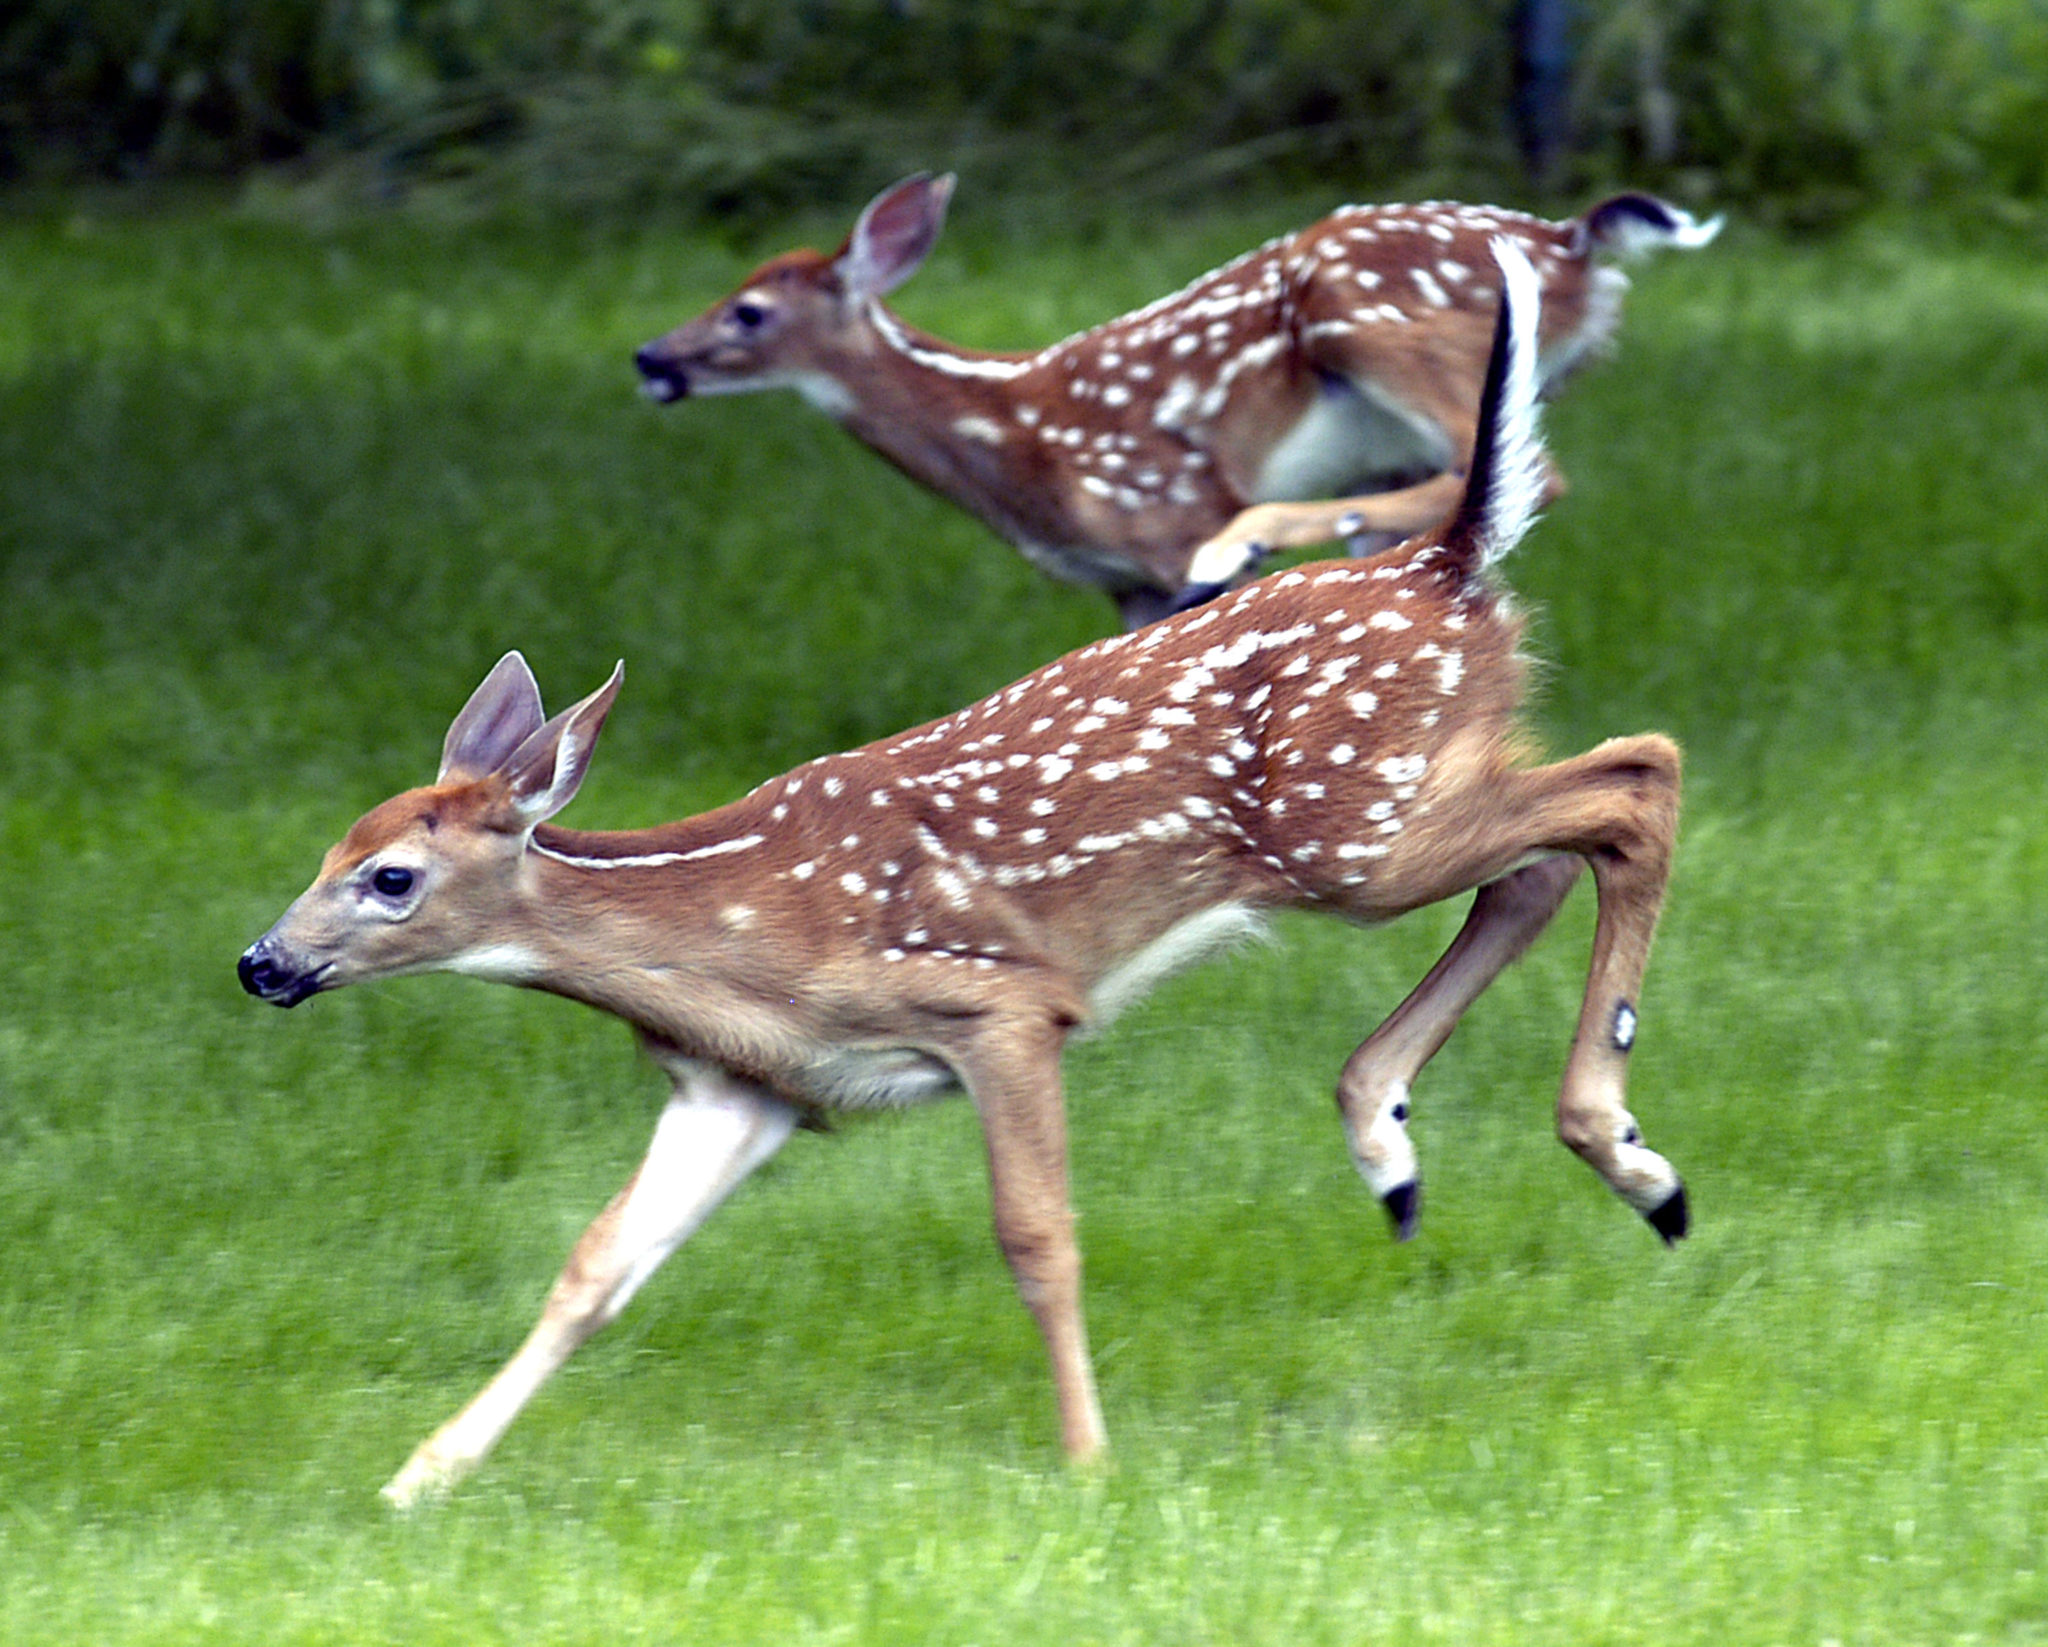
(1245, 805)
(1114, 457)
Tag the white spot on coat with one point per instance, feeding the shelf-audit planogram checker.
(985, 430)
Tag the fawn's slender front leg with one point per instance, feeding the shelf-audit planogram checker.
(1372, 1093)
(1015, 1078)
(714, 1130)
(1266, 528)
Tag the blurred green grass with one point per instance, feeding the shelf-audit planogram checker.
(271, 502)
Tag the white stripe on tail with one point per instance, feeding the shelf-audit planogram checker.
(1509, 478)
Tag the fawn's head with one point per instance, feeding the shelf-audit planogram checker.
(427, 880)
(783, 326)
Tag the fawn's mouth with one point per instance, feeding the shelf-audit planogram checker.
(267, 980)
(661, 380)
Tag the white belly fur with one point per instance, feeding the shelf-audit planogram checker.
(1179, 947)
(894, 1077)
(877, 1078)
(1349, 440)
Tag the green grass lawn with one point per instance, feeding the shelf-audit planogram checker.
(272, 501)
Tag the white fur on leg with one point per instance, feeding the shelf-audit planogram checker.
(713, 1132)
(1221, 562)
(1383, 1152)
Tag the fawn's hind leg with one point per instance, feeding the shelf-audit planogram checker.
(1372, 1093)
(1620, 808)
(1615, 808)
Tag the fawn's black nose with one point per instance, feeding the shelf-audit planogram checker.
(260, 975)
(665, 381)
(267, 979)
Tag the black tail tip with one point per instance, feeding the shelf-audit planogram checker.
(1630, 224)
(1404, 1205)
(1633, 207)
(1193, 595)
(1670, 1218)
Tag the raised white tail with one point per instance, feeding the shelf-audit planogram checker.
(941, 910)
(1324, 385)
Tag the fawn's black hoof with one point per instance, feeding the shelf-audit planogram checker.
(1669, 1219)
(1195, 594)
(1404, 1205)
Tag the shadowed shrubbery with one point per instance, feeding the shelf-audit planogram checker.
(1811, 110)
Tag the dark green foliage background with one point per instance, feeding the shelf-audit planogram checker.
(1810, 110)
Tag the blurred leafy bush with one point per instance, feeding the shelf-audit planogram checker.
(1811, 109)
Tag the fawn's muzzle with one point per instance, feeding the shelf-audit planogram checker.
(269, 979)
(664, 379)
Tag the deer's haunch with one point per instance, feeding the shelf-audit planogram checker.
(941, 910)
(1172, 446)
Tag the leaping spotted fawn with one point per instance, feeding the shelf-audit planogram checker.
(1159, 456)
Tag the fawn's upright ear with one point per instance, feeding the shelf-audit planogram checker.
(895, 232)
(544, 772)
(501, 714)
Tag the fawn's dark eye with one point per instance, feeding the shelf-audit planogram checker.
(392, 882)
(748, 315)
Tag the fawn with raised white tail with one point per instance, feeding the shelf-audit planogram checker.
(941, 910)
(1158, 457)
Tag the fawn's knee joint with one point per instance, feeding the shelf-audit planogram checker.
(1586, 1135)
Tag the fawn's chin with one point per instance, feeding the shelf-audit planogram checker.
(300, 989)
